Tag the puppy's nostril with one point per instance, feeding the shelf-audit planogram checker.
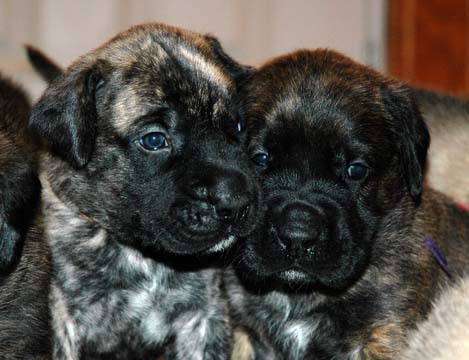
(233, 214)
(232, 208)
(225, 214)
(243, 213)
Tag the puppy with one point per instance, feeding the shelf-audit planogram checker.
(144, 179)
(342, 266)
(24, 259)
(444, 335)
(448, 121)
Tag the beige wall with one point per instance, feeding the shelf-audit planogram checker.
(251, 30)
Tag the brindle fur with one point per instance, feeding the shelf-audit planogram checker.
(24, 257)
(133, 275)
(306, 109)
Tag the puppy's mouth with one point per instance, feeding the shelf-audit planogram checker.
(199, 231)
(200, 221)
(222, 245)
(293, 275)
(187, 245)
(335, 269)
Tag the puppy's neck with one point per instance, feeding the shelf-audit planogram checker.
(63, 219)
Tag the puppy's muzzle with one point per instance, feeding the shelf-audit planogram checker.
(298, 228)
(217, 203)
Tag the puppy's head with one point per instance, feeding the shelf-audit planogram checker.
(337, 146)
(19, 185)
(146, 141)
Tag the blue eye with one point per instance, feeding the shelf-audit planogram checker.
(261, 159)
(153, 141)
(357, 171)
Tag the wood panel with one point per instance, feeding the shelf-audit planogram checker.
(428, 43)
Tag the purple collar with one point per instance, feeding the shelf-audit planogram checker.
(437, 254)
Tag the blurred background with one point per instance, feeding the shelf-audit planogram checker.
(424, 42)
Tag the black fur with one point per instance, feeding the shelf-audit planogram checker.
(19, 186)
(45, 66)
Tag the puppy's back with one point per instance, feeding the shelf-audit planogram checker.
(448, 121)
(445, 334)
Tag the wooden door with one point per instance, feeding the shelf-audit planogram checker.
(428, 43)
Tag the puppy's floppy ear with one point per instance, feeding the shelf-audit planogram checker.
(411, 133)
(65, 116)
(238, 71)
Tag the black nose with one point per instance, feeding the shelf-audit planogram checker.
(228, 193)
(298, 227)
(230, 197)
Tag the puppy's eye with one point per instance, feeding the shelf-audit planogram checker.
(357, 171)
(153, 141)
(240, 124)
(261, 159)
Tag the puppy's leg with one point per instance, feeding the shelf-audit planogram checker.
(219, 342)
(66, 340)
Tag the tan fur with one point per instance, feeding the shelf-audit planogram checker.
(242, 348)
(382, 342)
(193, 47)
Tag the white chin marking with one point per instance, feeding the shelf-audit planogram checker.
(222, 245)
(293, 275)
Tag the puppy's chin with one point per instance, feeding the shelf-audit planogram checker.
(320, 280)
(336, 276)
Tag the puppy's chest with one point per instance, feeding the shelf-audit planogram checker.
(285, 323)
(140, 303)
(296, 326)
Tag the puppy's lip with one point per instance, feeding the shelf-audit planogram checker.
(298, 269)
(202, 234)
(211, 243)
(223, 245)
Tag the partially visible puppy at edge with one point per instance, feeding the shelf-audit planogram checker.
(145, 184)
(353, 248)
(448, 156)
(24, 257)
(445, 334)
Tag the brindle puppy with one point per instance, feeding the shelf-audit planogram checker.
(144, 180)
(24, 260)
(341, 267)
